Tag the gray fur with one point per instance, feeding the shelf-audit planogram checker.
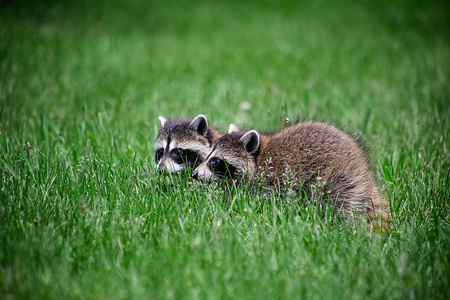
(193, 135)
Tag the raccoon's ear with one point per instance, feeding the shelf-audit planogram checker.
(250, 141)
(232, 128)
(200, 124)
(162, 121)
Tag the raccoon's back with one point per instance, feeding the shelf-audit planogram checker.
(315, 146)
(316, 151)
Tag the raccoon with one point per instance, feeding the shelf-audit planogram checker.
(183, 143)
(318, 156)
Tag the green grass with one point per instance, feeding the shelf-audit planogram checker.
(83, 214)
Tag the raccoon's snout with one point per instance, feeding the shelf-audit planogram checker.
(200, 173)
(160, 165)
(168, 166)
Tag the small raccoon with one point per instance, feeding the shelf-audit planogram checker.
(315, 154)
(183, 143)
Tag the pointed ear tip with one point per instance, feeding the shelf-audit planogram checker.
(200, 124)
(199, 117)
(250, 134)
(232, 128)
(250, 141)
(162, 120)
(254, 133)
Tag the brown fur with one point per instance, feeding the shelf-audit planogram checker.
(318, 155)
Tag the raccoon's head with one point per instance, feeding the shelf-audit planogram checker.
(182, 143)
(231, 155)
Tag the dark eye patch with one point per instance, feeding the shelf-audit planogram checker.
(186, 156)
(222, 169)
(158, 154)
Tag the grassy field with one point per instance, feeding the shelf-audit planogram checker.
(84, 215)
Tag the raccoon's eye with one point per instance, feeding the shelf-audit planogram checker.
(158, 154)
(215, 161)
(178, 152)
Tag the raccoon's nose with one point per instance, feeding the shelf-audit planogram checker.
(160, 168)
(195, 175)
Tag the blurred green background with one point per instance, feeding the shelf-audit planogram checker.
(139, 59)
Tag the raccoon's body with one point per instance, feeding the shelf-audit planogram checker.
(183, 143)
(318, 156)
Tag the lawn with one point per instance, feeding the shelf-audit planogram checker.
(85, 215)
